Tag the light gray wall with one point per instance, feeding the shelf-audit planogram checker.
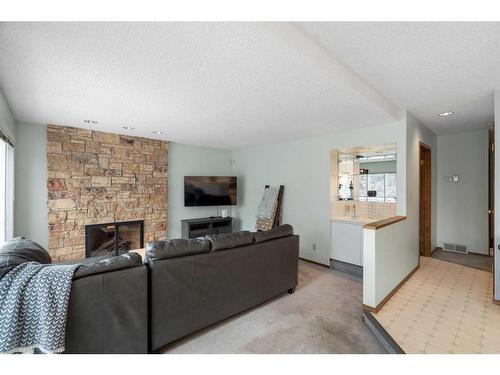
(30, 205)
(303, 167)
(418, 133)
(186, 160)
(463, 206)
(390, 254)
(31, 219)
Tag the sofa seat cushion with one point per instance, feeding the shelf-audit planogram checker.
(176, 248)
(281, 231)
(107, 264)
(20, 250)
(230, 240)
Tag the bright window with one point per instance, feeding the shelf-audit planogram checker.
(3, 191)
(384, 184)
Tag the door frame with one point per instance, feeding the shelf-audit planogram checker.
(491, 191)
(425, 200)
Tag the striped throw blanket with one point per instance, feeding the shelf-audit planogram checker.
(33, 305)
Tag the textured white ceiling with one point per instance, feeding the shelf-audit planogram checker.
(225, 85)
(230, 85)
(425, 67)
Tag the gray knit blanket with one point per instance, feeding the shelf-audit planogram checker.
(267, 203)
(33, 305)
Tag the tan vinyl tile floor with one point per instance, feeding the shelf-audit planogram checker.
(444, 308)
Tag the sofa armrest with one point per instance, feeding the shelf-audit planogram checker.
(108, 313)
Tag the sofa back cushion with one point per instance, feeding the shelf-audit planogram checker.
(19, 250)
(107, 264)
(281, 231)
(176, 248)
(230, 240)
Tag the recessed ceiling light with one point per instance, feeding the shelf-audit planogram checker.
(127, 127)
(90, 122)
(444, 114)
(158, 132)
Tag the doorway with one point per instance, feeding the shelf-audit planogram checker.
(425, 200)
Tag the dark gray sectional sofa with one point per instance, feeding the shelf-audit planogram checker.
(222, 276)
(122, 305)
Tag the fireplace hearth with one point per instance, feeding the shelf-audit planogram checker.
(113, 238)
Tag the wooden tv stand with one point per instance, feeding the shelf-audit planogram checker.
(192, 228)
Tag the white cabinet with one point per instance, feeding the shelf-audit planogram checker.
(347, 242)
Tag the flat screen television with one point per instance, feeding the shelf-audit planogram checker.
(209, 191)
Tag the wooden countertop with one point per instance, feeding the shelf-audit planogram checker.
(352, 220)
(384, 222)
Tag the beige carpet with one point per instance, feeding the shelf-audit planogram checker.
(324, 315)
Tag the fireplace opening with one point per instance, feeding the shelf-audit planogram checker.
(113, 238)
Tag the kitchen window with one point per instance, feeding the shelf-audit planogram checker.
(384, 185)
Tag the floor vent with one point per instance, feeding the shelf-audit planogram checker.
(456, 248)
(448, 246)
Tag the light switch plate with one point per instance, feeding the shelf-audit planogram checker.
(454, 178)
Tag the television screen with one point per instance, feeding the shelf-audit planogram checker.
(209, 191)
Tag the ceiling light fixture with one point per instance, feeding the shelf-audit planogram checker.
(445, 114)
(158, 132)
(90, 122)
(126, 127)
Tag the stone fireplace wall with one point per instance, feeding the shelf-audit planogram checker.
(96, 177)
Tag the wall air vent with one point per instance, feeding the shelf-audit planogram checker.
(456, 248)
